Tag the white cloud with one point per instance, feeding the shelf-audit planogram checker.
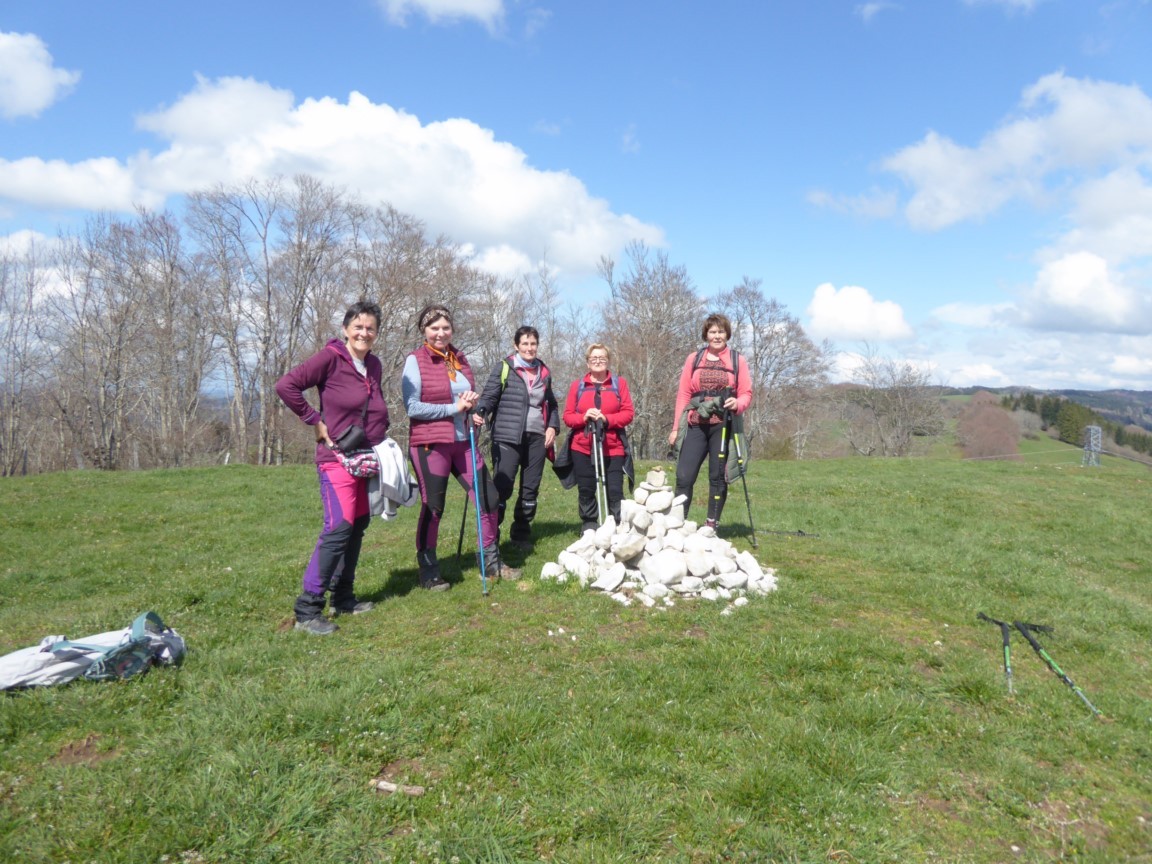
(452, 174)
(1066, 124)
(630, 140)
(487, 12)
(1010, 5)
(974, 315)
(29, 82)
(874, 204)
(853, 314)
(868, 11)
(22, 242)
(1079, 293)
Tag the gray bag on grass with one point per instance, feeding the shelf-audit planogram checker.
(115, 654)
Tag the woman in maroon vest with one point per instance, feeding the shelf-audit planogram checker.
(439, 391)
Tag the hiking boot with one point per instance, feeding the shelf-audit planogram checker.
(494, 568)
(357, 607)
(430, 578)
(317, 626)
(526, 544)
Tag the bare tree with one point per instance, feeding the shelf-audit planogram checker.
(93, 327)
(788, 369)
(893, 403)
(21, 283)
(650, 322)
(176, 345)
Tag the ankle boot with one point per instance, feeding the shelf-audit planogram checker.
(494, 568)
(430, 578)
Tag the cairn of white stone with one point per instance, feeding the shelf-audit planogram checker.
(655, 555)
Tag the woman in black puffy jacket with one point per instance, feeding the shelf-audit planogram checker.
(519, 403)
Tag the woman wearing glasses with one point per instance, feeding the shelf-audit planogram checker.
(598, 410)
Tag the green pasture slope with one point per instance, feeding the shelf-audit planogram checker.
(859, 714)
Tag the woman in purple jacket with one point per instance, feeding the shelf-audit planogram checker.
(347, 377)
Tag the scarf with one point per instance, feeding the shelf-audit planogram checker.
(450, 361)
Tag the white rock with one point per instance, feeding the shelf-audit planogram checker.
(655, 590)
(609, 579)
(666, 566)
(674, 518)
(604, 534)
(680, 501)
(724, 593)
(690, 585)
(552, 570)
(746, 562)
(724, 565)
(659, 525)
(697, 543)
(706, 531)
(654, 545)
(740, 601)
(646, 600)
(641, 495)
(698, 563)
(674, 540)
(641, 521)
(658, 501)
(586, 543)
(689, 527)
(574, 564)
(622, 599)
(736, 579)
(710, 594)
(625, 547)
(628, 509)
(655, 477)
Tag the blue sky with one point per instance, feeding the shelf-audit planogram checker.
(966, 184)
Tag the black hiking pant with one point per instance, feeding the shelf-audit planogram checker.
(528, 459)
(700, 443)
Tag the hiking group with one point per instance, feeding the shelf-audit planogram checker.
(361, 473)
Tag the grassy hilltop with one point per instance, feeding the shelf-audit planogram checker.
(859, 714)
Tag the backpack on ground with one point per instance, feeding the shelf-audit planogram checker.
(103, 656)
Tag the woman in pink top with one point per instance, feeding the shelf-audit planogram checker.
(712, 389)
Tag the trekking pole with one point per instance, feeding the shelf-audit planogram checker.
(476, 495)
(1005, 636)
(1027, 629)
(598, 470)
(743, 480)
(602, 483)
(460, 539)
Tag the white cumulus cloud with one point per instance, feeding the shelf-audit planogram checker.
(452, 174)
(488, 12)
(29, 81)
(1065, 124)
(853, 314)
(1079, 293)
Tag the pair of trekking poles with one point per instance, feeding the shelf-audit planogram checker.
(729, 435)
(1028, 631)
(464, 515)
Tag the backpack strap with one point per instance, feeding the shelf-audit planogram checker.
(735, 370)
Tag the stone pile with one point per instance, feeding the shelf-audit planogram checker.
(655, 555)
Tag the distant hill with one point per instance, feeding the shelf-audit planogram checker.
(1118, 406)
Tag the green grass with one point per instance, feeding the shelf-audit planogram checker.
(859, 714)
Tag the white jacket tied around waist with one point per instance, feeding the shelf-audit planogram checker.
(394, 486)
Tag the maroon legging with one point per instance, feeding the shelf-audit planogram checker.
(434, 464)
